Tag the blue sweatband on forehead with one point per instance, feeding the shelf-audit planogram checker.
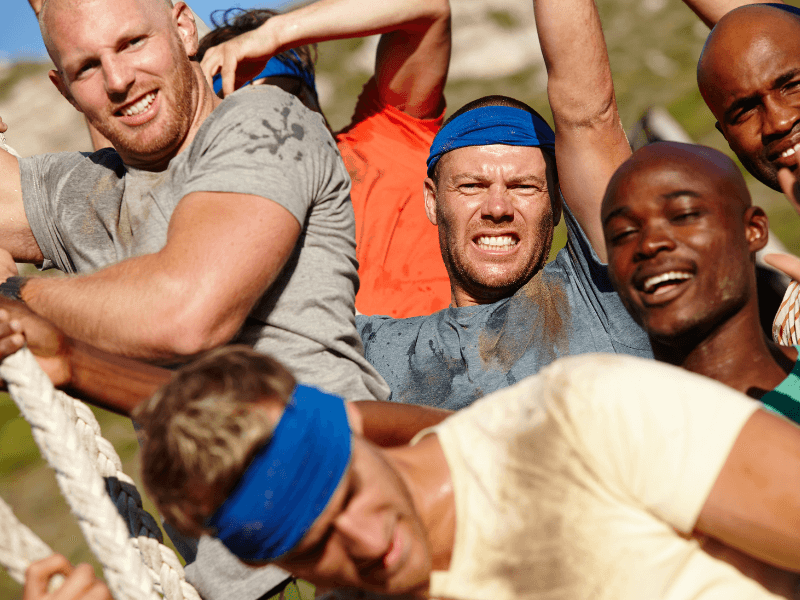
(785, 7)
(492, 125)
(289, 481)
(277, 66)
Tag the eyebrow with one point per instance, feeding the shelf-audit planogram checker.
(779, 81)
(620, 212)
(617, 212)
(535, 179)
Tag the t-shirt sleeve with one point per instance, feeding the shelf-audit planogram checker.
(653, 433)
(593, 284)
(264, 142)
(44, 178)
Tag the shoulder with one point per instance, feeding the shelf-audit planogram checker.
(263, 111)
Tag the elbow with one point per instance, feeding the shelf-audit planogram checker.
(576, 113)
(191, 336)
(189, 329)
(437, 10)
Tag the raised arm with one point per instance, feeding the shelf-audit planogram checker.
(590, 140)
(711, 11)
(413, 53)
(223, 251)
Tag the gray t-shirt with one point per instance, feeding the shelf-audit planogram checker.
(453, 357)
(88, 211)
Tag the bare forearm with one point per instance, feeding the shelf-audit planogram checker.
(711, 11)
(337, 19)
(389, 424)
(134, 308)
(112, 382)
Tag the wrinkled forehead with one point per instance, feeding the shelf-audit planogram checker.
(668, 168)
(67, 24)
(494, 159)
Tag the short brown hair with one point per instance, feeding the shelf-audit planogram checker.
(202, 429)
(498, 100)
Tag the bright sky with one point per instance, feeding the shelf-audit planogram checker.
(20, 36)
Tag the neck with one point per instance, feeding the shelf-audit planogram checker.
(735, 352)
(204, 101)
(426, 474)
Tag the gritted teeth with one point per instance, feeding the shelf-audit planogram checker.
(139, 107)
(672, 276)
(791, 151)
(496, 242)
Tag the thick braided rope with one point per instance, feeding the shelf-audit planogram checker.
(785, 325)
(82, 486)
(19, 546)
(161, 560)
(164, 566)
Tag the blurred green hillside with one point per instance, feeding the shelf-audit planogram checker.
(653, 45)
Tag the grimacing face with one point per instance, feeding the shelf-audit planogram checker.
(493, 208)
(369, 536)
(679, 249)
(750, 79)
(125, 65)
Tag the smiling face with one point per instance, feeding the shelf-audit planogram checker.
(369, 536)
(495, 215)
(749, 75)
(681, 234)
(125, 65)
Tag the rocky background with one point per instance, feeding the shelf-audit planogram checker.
(653, 45)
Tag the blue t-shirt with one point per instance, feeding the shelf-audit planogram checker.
(453, 357)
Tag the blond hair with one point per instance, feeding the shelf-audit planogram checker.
(202, 429)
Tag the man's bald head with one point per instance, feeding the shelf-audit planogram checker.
(700, 165)
(749, 76)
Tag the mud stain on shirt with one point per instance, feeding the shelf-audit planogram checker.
(537, 315)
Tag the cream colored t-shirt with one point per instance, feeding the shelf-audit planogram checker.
(570, 485)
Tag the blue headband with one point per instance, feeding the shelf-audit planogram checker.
(492, 125)
(277, 66)
(290, 481)
(786, 8)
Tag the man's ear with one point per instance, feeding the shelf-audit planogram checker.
(756, 226)
(59, 83)
(430, 200)
(183, 17)
(354, 417)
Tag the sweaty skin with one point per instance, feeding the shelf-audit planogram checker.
(749, 76)
(682, 235)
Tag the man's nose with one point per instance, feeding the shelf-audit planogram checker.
(497, 204)
(118, 75)
(653, 239)
(780, 116)
(366, 538)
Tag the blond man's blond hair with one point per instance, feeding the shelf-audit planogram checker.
(202, 429)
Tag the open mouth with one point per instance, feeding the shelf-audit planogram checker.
(497, 243)
(139, 106)
(661, 284)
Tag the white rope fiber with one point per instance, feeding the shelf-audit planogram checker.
(58, 439)
(19, 546)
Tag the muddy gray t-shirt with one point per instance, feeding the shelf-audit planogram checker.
(453, 357)
(88, 211)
